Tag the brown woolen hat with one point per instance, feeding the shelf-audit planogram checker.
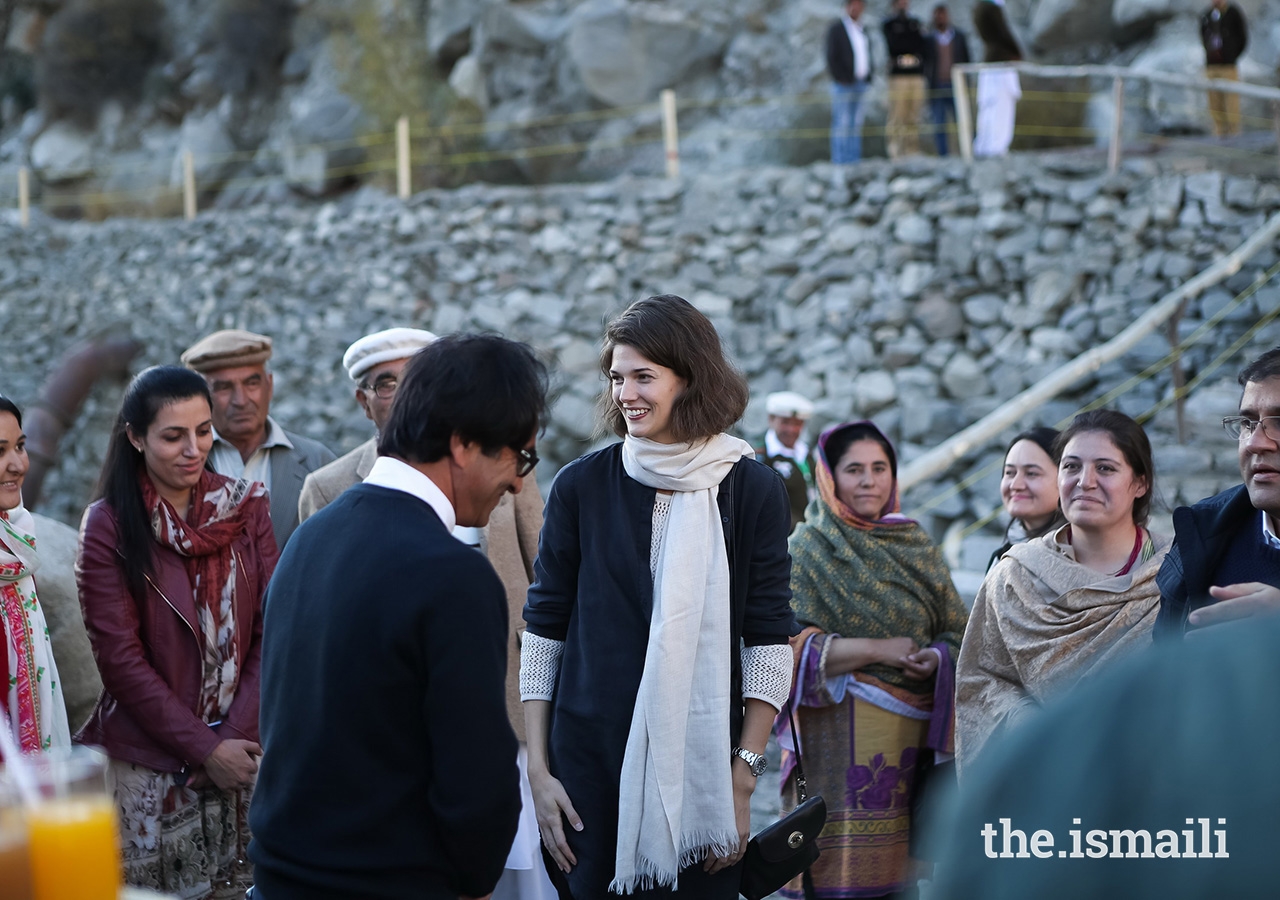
(225, 349)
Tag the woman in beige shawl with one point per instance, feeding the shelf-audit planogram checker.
(1056, 609)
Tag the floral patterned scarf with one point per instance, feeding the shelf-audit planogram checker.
(216, 518)
(33, 694)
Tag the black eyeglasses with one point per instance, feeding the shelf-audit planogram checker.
(1242, 427)
(383, 390)
(525, 461)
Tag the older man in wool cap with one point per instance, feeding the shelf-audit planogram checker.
(247, 442)
(374, 363)
(510, 541)
(785, 452)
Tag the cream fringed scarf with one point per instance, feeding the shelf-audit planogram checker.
(675, 799)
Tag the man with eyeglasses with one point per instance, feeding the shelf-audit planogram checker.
(510, 541)
(1225, 560)
(374, 363)
(389, 761)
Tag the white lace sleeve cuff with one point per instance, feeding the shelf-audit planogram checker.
(539, 666)
(766, 673)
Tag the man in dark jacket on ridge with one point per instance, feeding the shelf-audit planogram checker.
(849, 65)
(1226, 548)
(947, 47)
(908, 47)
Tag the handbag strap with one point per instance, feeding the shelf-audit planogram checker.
(802, 786)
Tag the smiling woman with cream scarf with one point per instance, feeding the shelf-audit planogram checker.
(656, 653)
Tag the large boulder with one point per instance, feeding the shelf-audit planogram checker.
(1131, 15)
(626, 54)
(1059, 24)
(449, 24)
(63, 152)
(1177, 50)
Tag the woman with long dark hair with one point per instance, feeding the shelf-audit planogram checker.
(656, 653)
(30, 689)
(875, 665)
(1056, 610)
(174, 560)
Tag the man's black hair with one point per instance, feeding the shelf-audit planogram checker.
(484, 388)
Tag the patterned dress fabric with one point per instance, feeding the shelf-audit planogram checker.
(32, 693)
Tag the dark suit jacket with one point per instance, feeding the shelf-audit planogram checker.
(289, 469)
(840, 55)
(389, 767)
(1201, 534)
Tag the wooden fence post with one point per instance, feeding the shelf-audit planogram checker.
(670, 133)
(403, 185)
(188, 185)
(964, 124)
(24, 197)
(1117, 125)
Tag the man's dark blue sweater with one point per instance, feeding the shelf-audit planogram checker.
(389, 767)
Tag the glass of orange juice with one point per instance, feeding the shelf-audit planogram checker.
(15, 867)
(72, 833)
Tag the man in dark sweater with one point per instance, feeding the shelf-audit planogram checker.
(1224, 35)
(389, 765)
(947, 47)
(908, 47)
(1225, 560)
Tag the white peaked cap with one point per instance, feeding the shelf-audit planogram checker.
(383, 346)
(789, 405)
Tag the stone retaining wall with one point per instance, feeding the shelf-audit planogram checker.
(922, 294)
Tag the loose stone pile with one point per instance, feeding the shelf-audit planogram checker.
(923, 294)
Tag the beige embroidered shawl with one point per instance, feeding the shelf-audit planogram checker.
(1040, 624)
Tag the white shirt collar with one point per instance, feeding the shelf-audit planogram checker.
(275, 437)
(398, 475)
(1268, 532)
(775, 447)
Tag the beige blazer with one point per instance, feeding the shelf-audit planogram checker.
(510, 541)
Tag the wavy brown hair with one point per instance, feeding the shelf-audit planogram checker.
(669, 331)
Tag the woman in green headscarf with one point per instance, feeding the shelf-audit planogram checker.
(875, 671)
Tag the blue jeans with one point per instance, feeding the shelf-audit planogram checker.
(941, 105)
(847, 114)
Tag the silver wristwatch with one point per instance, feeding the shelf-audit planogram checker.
(757, 761)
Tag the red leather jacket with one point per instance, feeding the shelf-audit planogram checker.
(149, 654)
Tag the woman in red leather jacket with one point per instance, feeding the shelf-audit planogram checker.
(174, 560)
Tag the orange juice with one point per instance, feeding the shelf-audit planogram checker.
(74, 849)
(15, 869)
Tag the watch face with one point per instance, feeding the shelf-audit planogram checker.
(758, 767)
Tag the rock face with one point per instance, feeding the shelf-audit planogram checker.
(804, 272)
(627, 53)
(564, 90)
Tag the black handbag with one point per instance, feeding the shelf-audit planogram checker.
(789, 846)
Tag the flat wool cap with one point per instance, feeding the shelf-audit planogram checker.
(383, 346)
(788, 405)
(226, 349)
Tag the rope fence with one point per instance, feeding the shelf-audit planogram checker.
(416, 143)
